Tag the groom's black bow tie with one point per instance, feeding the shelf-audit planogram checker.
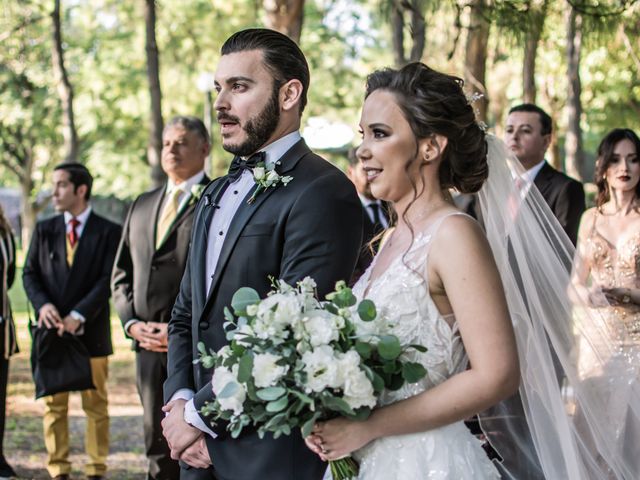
(238, 165)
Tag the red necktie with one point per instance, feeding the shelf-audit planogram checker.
(73, 234)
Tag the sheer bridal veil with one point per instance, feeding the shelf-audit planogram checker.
(577, 414)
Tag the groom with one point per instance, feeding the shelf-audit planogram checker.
(311, 226)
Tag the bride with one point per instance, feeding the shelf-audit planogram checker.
(470, 297)
(435, 279)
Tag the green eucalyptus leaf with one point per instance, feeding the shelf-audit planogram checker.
(244, 297)
(308, 425)
(419, 348)
(363, 349)
(367, 310)
(271, 393)
(228, 316)
(229, 389)
(278, 405)
(412, 372)
(389, 347)
(337, 404)
(245, 367)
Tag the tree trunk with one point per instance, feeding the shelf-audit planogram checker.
(285, 16)
(574, 155)
(532, 40)
(65, 91)
(397, 34)
(418, 32)
(476, 56)
(154, 147)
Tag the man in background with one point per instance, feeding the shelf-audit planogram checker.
(528, 135)
(66, 278)
(148, 269)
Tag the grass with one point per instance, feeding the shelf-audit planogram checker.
(23, 442)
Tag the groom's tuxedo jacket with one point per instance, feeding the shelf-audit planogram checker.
(311, 227)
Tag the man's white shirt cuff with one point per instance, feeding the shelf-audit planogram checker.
(192, 417)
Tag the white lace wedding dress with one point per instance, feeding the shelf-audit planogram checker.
(402, 299)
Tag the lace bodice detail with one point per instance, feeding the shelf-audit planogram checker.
(405, 309)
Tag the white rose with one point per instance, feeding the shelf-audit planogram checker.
(307, 285)
(321, 368)
(252, 310)
(266, 372)
(358, 390)
(258, 173)
(222, 377)
(320, 327)
(272, 177)
(242, 332)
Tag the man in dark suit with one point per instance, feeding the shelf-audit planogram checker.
(375, 214)
(312, 226)
(528, 135)
(66, 277)
(147, 272)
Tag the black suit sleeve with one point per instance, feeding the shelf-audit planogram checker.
(32, 276)
(322, 240)
(122, 276)
(94, 300)
(179, 356)
(570, 207)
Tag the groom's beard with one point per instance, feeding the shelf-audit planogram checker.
(258, 129)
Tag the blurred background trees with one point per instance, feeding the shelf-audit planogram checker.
(94, 80)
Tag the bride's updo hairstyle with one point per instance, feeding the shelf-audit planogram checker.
(434, 103)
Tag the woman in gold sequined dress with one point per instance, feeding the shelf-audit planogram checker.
(607, 269)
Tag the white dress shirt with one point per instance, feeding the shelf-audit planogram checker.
(366, 202)
(233, 196)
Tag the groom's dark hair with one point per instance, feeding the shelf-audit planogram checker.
(282, 57)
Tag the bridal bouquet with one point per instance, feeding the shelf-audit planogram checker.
(293, 360)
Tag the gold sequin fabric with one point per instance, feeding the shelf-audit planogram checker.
(617, 266)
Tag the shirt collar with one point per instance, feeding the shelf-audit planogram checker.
(530, 174)
(187, 184)
(366, 201)
(82, 218)
(275, 150)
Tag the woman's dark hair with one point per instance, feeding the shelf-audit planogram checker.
(605, 157)
(281, 55)
(434, 103)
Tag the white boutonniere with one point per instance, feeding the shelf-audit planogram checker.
(196, 193)
(267, 177)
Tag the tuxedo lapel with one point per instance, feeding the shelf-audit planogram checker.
(542, 180)
(201, 234)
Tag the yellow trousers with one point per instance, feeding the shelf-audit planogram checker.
(96, 440)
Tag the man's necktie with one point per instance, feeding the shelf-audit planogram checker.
(73, 233)
(375, 213)
(238, 165)
(168, 215)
